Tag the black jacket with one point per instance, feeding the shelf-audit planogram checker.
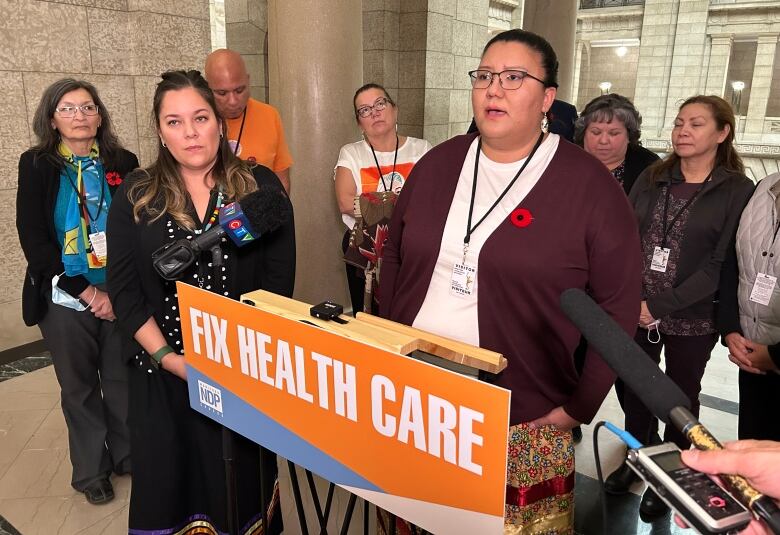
(137, 292)
(637, 160)
(36, 196)
(709, 236)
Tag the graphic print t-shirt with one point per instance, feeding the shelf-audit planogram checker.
(358, 159)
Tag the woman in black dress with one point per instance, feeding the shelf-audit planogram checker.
(178, 471)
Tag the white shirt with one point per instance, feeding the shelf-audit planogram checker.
(455, 316)
(358, 159)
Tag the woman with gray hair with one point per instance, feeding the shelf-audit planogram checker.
(66, 184)
(609, 129)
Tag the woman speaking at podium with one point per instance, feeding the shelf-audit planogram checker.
(488, 232)
(178, 470)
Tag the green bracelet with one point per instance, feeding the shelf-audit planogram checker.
(158, 355)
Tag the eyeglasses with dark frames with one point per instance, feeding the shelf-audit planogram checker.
(379, 105)
(67, 112)
(509, 79)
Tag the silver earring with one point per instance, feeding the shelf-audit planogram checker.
(163, 143)
(545, 123)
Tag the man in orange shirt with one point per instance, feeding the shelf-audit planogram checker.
(254, 129)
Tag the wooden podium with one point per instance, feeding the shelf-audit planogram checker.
(344, 400)
(388, 335)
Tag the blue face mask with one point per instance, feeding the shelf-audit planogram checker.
(63, 298)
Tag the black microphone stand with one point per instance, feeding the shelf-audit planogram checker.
(227, 434)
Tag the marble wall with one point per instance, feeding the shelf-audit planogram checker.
(121, 46)
(457, 33)
(246, 26)
(421, 51)
(602, 64)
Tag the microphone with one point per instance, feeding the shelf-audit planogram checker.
(258, 213)
(659, 393)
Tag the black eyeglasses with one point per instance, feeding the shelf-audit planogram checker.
(379, 105)
(511, 79)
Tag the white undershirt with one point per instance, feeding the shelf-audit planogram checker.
(454, 316)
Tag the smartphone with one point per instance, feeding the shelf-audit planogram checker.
(694, 496)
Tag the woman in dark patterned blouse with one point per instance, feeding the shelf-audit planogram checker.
(688, 208)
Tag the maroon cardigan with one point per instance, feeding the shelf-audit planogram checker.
(583, 235)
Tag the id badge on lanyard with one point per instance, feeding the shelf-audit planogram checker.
(660, 259)
(464, 277)
(99, 246)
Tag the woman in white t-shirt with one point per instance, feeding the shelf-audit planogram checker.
(381, 161)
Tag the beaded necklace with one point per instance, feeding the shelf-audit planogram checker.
(214, 214)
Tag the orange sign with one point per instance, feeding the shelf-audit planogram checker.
(423, 442)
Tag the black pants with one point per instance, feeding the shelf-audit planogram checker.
(355, 281)
(759, 399)
(685, 357)
(86, 351)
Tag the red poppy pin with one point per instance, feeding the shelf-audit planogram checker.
(521, 218)
(113, 178)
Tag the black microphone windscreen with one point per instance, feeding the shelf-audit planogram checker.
(659, 393)
(267, 209)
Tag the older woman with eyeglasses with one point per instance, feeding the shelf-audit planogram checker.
(527, 215)
(66, 185)
(381, 161)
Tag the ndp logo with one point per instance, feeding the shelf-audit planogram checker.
(210, 397)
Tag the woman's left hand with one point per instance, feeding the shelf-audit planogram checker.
(645, 318)
(557, 417)
(101, 306)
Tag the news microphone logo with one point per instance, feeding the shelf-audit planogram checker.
(236, 224)
(210, 396)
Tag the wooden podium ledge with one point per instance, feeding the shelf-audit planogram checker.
(382, 333)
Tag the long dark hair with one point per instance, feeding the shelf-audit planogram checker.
(160, 189)
(534, 42)
(49, 138)
(726, 156)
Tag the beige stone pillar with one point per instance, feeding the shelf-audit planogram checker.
(315, 64)
(720, 53)
(760, 86)
(575, 89)
(556, 20)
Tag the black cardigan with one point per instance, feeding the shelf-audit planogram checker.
(637, 160)
(36, 196)
(136, 290)
(709, 236)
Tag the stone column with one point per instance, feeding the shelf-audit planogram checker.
(686, 71)
(315, 63)
(575, 89)
(760, 86)
(556, 21)
(720, 53)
